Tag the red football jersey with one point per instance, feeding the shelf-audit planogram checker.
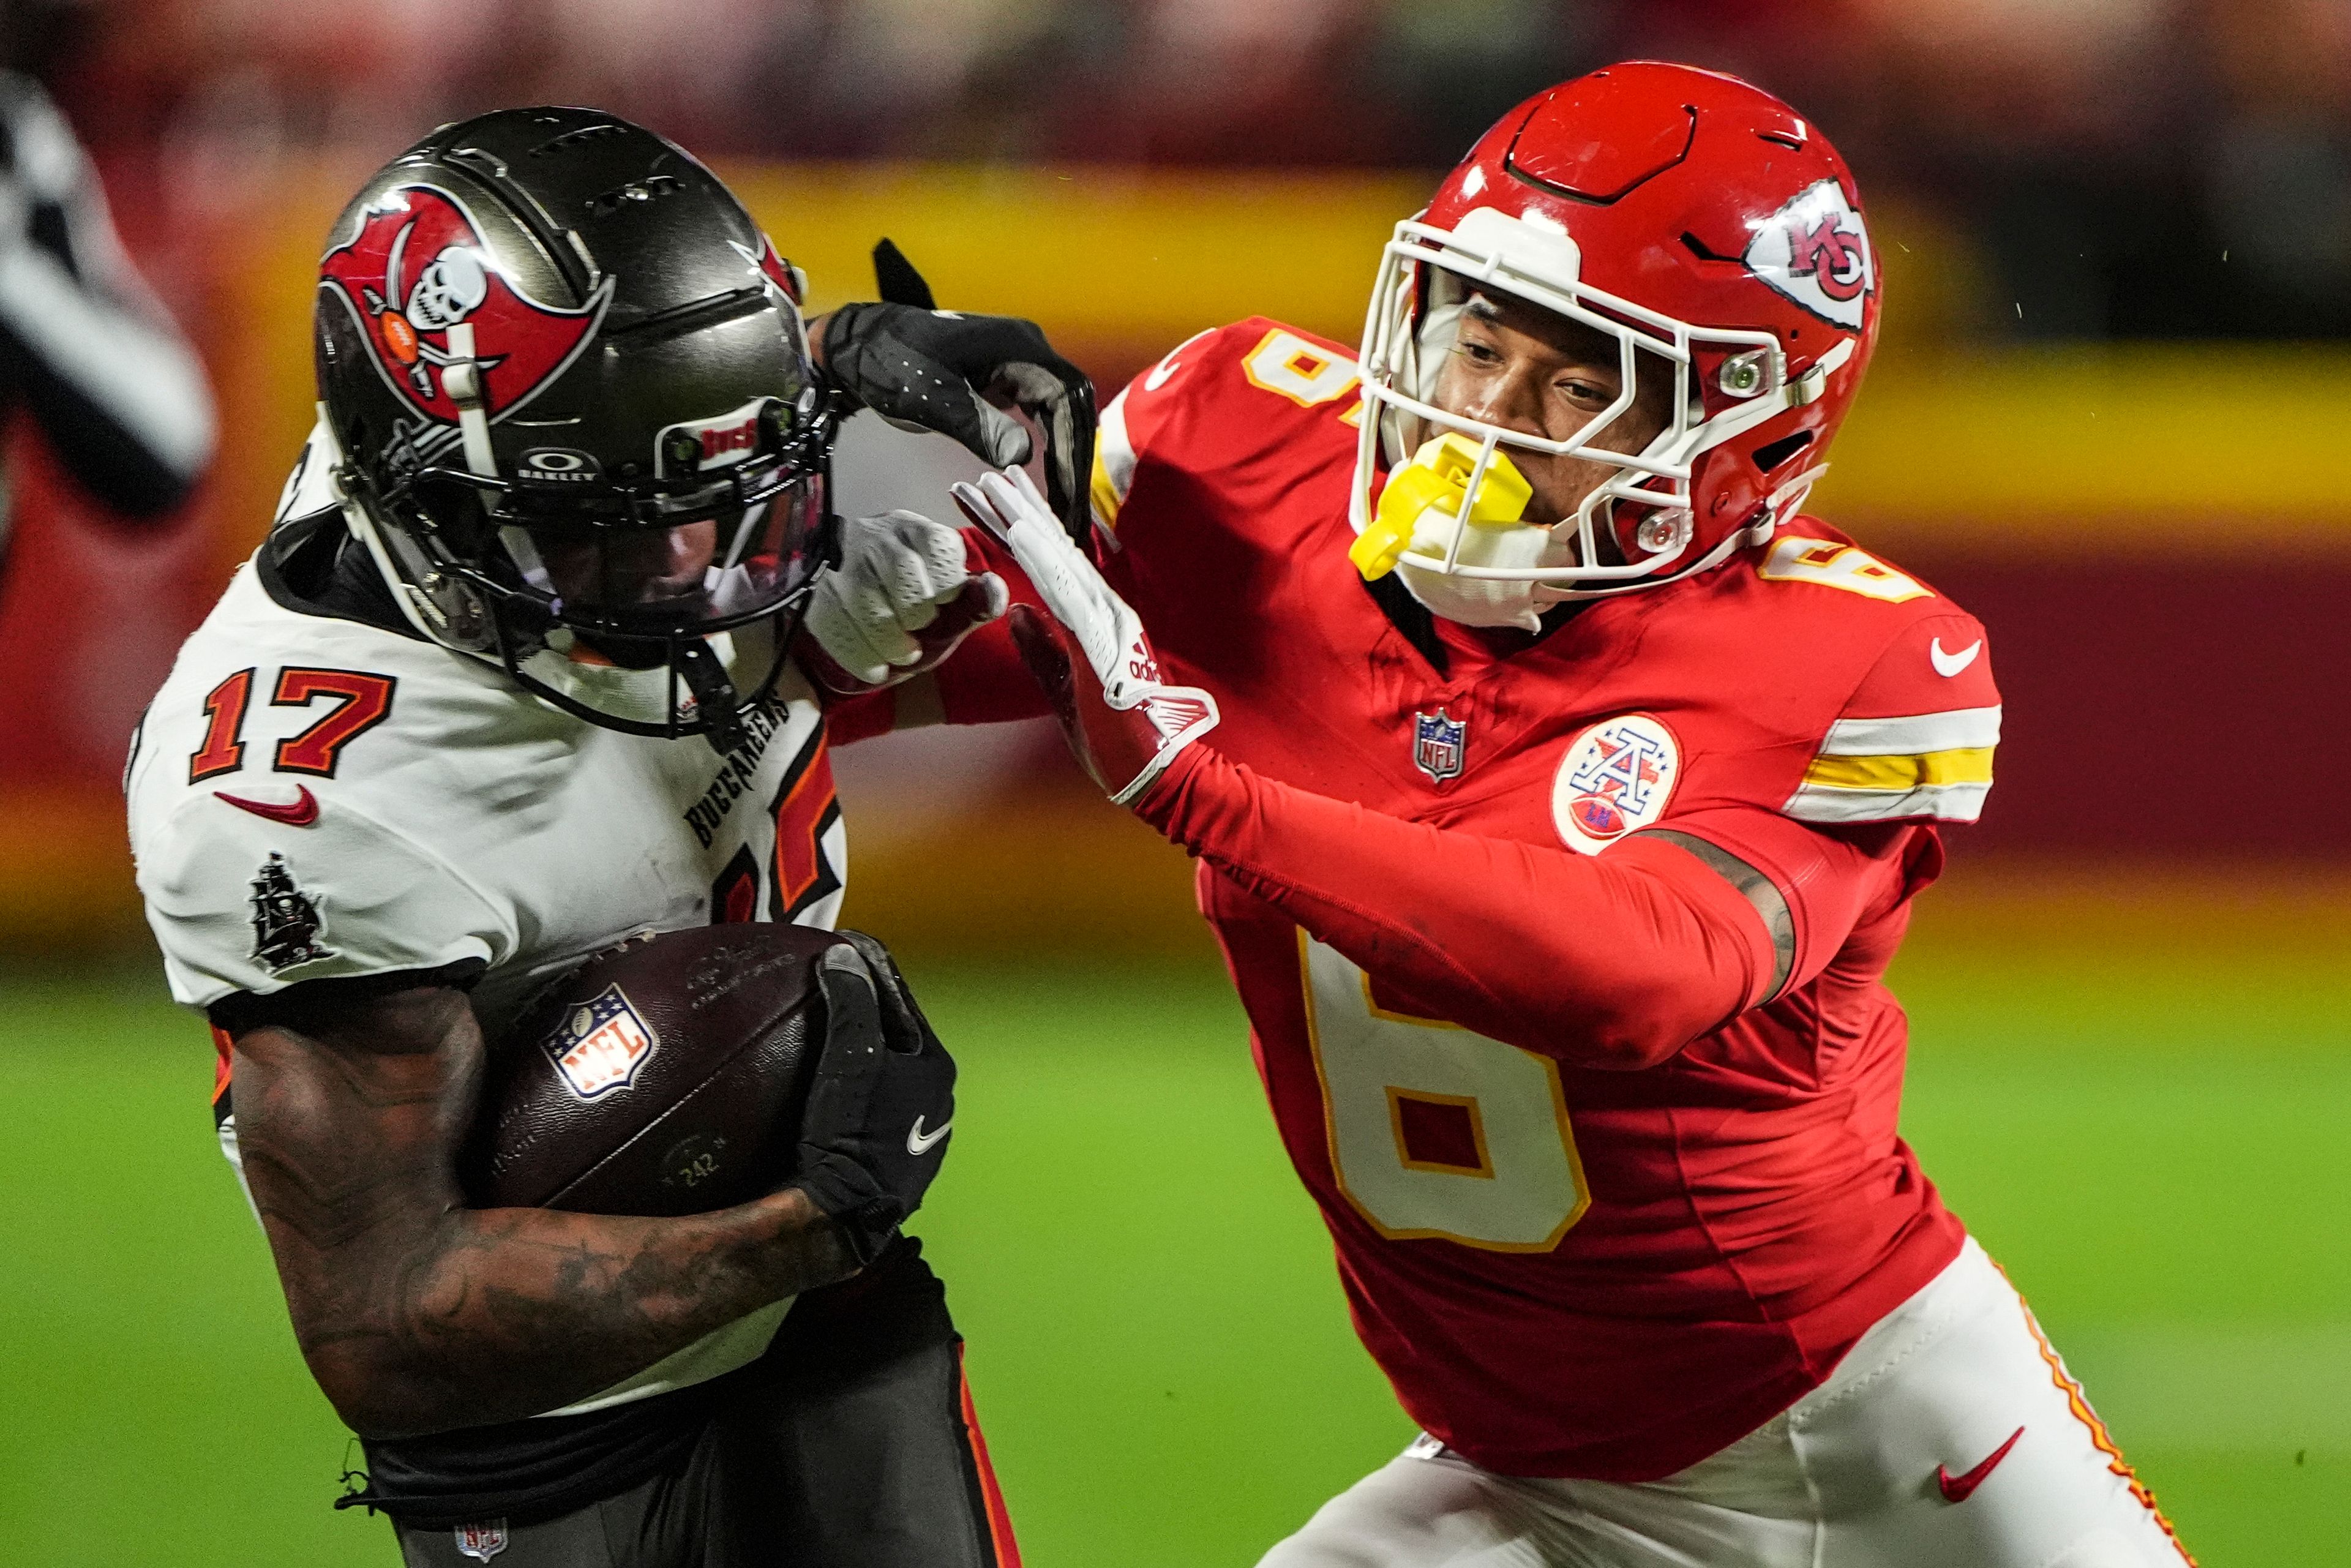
(1564, 1271)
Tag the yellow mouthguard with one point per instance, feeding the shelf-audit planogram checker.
(1438, 474)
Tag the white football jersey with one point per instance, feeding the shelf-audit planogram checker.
(312, 797)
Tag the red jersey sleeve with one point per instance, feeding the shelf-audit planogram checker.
(984, 681)
(1616, 960)
(1910, 746)
(850, 719)
(1222, 407)
(1915, 740)
(1834, 880)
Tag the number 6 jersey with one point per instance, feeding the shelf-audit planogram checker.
(1409, 834)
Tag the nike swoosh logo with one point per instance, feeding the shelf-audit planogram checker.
(299, 813)
(1159, 375)
(921, 1143)
(1959, 1488)
(1949, 664)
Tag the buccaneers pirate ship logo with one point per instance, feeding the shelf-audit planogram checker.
(427, 294)
(285, 919)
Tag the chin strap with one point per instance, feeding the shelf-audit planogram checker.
(462, 380)
(714, 695)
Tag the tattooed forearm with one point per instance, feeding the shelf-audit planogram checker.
(417, 1314)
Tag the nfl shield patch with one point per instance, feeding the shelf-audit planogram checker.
(483, 1540)
(1615, 779)
(1437, 743)
(601, 1045)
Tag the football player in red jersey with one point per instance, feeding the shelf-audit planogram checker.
(1560, 790)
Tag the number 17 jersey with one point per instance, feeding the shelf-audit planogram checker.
(312, 798)
(316, 793)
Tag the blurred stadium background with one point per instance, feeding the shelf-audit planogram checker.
(2110, 413)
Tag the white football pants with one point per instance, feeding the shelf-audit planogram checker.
(1860, 1473)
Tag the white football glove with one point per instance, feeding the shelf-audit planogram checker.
(1126, 724)
(900, 601)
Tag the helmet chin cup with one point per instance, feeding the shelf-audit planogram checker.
(705, 686)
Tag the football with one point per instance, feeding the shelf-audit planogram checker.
(665, 1077)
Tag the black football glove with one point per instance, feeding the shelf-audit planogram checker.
(875, 1130)
(939, 370)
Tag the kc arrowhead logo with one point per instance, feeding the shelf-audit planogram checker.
(1815, 250)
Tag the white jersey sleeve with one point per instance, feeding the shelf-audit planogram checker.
(239, 902)
(314, 798)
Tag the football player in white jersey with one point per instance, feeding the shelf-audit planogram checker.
(520, 674)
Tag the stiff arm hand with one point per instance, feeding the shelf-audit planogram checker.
(1123, 720)
(953, 372)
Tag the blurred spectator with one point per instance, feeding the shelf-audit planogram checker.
(85, 349)
(2124, 167)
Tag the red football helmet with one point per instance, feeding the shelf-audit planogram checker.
(1711, 232)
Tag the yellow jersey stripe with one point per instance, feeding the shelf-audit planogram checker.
(1105, 495)
(1962, 765)
(1113, 472)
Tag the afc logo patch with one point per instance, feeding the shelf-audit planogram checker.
(1437, 745)
(1815, 251)
(482, 1540)
(1616, 779)
(601, 1045)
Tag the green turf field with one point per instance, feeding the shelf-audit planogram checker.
(2160, 1150)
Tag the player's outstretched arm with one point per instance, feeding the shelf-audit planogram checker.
(1614, 962)
(417, 1314)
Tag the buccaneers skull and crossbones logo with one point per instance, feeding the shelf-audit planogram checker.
(416, 272)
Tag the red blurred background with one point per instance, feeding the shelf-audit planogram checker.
(2108, 413)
